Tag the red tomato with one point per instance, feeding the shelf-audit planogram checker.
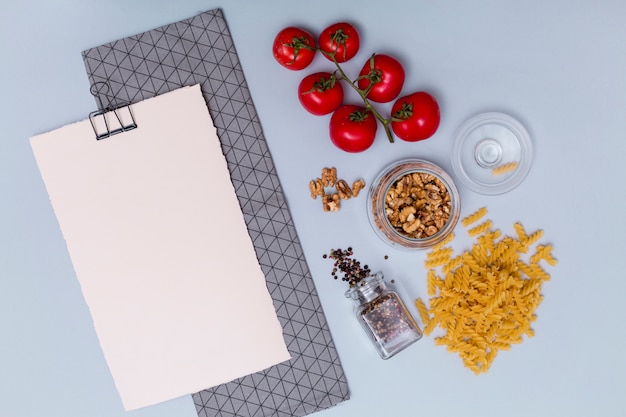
(386, 76)
(294, 48)
(320, 93)
(352, 128)
(415, 117)
(340, 40)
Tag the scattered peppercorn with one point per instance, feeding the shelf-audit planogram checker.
(353, 272)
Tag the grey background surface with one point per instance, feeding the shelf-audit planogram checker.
(557, 66)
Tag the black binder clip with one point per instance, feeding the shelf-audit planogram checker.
(114, 117)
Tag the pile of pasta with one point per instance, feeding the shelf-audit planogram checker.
(484, 299)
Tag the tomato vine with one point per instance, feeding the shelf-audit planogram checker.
(381, 80)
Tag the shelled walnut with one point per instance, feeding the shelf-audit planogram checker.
(331, 202)
(316, 187)
(342, 191)
(329, 176)
(418, 205)
(357, 186)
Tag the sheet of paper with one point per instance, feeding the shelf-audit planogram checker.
(161, 250)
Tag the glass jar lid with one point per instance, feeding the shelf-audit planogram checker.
(492, 153)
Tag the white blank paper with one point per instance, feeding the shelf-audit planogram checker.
(160, 248)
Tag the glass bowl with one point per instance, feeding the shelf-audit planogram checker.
(492, 153)
(413, 204)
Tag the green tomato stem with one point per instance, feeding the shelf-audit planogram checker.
(363, 94)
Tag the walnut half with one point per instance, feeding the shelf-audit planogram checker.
(329, 176)
(316, 188)
(331, 202)
(343, 189)
(357, 186)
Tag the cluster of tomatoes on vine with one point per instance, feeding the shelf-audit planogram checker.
(353, 127)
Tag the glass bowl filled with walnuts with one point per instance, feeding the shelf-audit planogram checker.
(413, 204)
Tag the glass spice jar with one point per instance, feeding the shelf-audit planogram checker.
(383, 315)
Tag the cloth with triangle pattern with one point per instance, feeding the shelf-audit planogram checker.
(200, 50)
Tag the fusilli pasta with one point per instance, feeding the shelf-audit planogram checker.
(474, 217)
(485, 298)
(504, 168)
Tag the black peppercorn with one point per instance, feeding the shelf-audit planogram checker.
(352, 271)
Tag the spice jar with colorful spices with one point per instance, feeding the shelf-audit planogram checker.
(380, 310)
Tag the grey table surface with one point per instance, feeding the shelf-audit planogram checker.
(559, 67)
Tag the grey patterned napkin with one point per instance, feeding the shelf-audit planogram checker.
(200, 50)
